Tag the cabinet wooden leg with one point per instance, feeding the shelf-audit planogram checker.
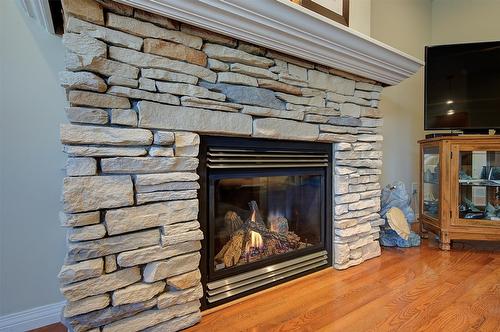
(444, 241)
(424, 234)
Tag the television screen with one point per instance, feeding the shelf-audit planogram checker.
(462, 86)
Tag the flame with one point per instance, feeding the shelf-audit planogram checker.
(255, 242)
(253, 216)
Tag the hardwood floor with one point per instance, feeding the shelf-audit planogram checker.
(418, 289)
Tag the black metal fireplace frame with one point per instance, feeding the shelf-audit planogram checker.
(205, 188)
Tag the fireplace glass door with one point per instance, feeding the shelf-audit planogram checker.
(259, 217)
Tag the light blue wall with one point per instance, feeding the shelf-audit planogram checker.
(32, 244)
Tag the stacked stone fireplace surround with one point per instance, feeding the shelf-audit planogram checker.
(141, 88)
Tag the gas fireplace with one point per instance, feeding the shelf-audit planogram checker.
(265, 212)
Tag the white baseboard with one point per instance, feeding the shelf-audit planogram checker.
(31, 318)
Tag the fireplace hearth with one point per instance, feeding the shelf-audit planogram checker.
(265, 213)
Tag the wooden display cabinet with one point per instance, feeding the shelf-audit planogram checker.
(460, 188)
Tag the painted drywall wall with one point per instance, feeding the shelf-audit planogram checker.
(406, 25)
(360, 16)
(459, 21)
(32, 106)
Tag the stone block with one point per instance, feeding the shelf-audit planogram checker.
(235, 78)
(186, 144)
(78, 251)
(88, 10)
(352, 110)
(341, 184)
(110, 264)
(138, 292)
(161, 151)
(158, 179)
(163, 138)
(86, 305)
(164, 75)
(185, 281)
(355, 230)
(307, 101)
(140, 165)
(157, 196)
(217, 65)
(176, 324)
(79, 219)
(82, 80)
(345, 121)
(210, 104)
(81, 271)
(341, 253)
(147, 84)
(152, 215)
(368, 87)
(285, 129)
(145, 60)
(103, 151)
(146, 29)
(81, 166)
(103, 66)
(224, 53)
(278, 86)
(122, 91)
(113, 37)
(270, 112)
(171, 267)
(175, 51)
(247, 95)
(85, 233)
(338, 129)
(195, 235)
(168, 186)
(253, 71)
(320, 80)
(116, 7)
(170, 298)
(102, 284)
(124, 117)
(122, 81)
(151, 318)
(86, 193)
(209, 36)
(330, 137)
(94, 319)
(182, 227)
(152, 115)
(84, 45)
(156, 253)
(92, 99)
(189, 90)
(77, 134)
(86, 115)
(347, 198)
(156, 19)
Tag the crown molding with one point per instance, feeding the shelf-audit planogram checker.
(289, 28)
(39, 10)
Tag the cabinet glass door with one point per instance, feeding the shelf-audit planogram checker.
(479, 185)
(431, 179)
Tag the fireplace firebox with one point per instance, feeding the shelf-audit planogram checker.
(265, 210)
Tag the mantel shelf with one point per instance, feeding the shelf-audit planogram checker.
(289, 28)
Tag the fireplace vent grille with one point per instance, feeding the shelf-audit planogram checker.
(244, 158)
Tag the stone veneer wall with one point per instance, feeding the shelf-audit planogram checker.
(140, 88)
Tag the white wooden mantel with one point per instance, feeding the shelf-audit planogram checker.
(283, 26)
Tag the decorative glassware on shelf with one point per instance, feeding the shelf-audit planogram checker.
(431, 178)
(479, 179)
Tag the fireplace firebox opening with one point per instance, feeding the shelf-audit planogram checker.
(265, 210)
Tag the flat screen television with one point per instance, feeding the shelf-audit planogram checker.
(462, 87)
